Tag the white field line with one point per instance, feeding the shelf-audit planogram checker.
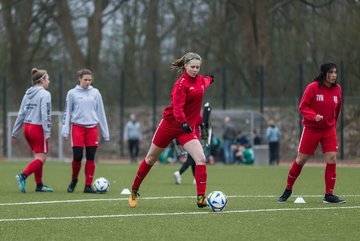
(175, 214)
(155, 198)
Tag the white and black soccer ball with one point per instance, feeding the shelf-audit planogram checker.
(217, 201)
(101, 185)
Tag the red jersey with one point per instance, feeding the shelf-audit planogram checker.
(325, 101)
(186, 99)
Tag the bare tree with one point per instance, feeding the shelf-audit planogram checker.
(27, 28)
(17, 17)
(94, 21)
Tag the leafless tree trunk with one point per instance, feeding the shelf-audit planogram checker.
(64, 19)
(17, 19)
(253, 28)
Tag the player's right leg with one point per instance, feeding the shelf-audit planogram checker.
(164, 134)
(77, 143)
(76, 166)
(144, 168)
(308, 143)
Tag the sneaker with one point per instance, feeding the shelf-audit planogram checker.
(43, 188)
(72, 185)
(177, 177)
(287, 193)
(331, 198)
(89, 189)
(21, 181)
(201, 201)
(133, 199)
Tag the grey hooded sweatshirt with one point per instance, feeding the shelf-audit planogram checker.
(84, 107)
(35, 109)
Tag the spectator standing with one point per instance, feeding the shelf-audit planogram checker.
(35, 116)
(84, 112)
(229, 136)
(132, 135)
(273, 137)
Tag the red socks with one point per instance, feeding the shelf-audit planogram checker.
(200, 177)
(294, 172)
(330, 177)
(33, 166)
(76, 166)
(38, 174)
(89, 172)
(143, 170)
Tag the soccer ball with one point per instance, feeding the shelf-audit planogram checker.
(217, 201)
(101, 185)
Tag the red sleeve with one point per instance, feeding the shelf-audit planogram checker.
(338, 106)
(305, 104)
(178, 100)
(207, 81)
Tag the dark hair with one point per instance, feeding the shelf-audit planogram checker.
(324, 69)
(37, 75)
(83, 72)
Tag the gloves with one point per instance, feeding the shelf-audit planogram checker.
(212, 78)
(185, 127)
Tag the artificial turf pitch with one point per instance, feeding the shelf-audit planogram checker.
(168, 212)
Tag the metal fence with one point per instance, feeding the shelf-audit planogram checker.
(119, 104)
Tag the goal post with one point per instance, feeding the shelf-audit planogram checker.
(20, 150)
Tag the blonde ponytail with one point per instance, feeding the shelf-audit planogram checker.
(178, 64)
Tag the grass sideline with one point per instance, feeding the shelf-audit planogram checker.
(168, 212)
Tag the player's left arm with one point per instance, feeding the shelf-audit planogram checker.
(338, 106)
(208, 80)
(102, 118)
(46, 114)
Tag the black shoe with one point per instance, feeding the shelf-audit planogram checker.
(89, 189)
(287, 193)
(330, 198)
(72, 185)
(43, 188)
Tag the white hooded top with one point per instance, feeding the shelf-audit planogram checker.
(84, 107)
(35, 109)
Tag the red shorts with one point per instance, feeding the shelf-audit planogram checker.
(34, 135)
(83, 136)
(167, 131)
(310, 139)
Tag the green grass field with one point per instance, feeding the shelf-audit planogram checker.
(168, 212)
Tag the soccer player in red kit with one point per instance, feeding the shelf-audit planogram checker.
(35, 116)
(320, 107)
(178, 121)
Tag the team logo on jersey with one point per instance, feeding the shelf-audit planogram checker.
(319, 97)
(335, 99)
